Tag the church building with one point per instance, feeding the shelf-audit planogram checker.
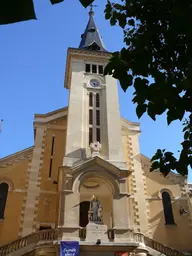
(85, 179)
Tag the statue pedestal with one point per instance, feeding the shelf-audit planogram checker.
(95, 231)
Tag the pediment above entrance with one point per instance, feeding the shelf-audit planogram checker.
(99, 164)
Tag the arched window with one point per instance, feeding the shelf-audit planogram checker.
(167, 206)
(3, 198)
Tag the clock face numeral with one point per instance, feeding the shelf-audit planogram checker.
(94, 83)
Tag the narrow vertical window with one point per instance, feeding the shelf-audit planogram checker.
(3, 198)
(51, 160)
(94, 68)
(90, 99)
(98, 134)
(50, 167)
(100, 69)
(167, 207)
(97, 117)
(34, 134)
(94, 117)
(90, 135)
(90, 116)
(87, 68)
(97, 100)
(52, 146)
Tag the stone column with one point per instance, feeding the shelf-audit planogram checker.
(33, 186)
(139, 187)
(140, 252)
(120, 218)
(71, 216)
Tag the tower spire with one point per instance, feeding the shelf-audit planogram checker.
(91, 39)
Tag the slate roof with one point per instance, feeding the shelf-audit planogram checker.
(91, 38)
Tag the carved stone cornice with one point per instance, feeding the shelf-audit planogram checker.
(17, 157)
(76, 53)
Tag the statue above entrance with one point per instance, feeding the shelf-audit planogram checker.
(95, 213)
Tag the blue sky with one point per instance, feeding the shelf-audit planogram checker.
(32, 66)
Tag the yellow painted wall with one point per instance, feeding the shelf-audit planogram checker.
(17, 174)
(176, 236)
(49, 190)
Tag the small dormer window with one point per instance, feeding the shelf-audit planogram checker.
(94, 47)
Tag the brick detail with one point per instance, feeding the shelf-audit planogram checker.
(133, 184)
(137, 186)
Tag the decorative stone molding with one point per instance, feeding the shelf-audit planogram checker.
(138, 186)
(45, 224)
(47, 203)
(79, 54)
(51, 116)
(95, 148)
(8, 182)
(109, 179)
(16, 157)
(31, 200)
(165, 190)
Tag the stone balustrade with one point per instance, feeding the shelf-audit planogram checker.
(53, 234)
(45, 235)
(161, 248)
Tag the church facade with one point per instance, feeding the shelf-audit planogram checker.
(86, 152)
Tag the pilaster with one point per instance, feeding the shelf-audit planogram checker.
(33, 185)
(139, 187)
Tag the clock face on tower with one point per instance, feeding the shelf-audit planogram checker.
(94, 83)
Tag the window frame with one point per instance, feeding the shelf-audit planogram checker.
(167, 208)
(4, 196)
(99, 68)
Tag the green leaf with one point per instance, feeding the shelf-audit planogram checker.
(141, 108)
(168, 154)
(157, 155)
(175, 113)
(154, 166)
(186, 135)
(118, 7)
(131, 22)
(16, 10)
(113, 21)
(122, 20)
(151, 110)
(86, 3)
(108, 69)
(56, 1)
(126, 81)
(108, 9)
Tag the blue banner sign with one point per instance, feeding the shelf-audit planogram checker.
(69, 248)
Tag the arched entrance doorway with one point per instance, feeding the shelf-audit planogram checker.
(83, 213)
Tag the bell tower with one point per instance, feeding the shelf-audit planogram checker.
(93, 113)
